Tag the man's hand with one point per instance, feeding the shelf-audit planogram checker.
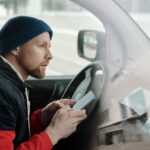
(49, 110)
(64, 123)
(68, 102)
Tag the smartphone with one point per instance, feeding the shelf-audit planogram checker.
(84, 101)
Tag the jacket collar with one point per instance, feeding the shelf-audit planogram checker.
(6, 61)
(11, 74)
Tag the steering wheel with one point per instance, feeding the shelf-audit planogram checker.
(90, 78)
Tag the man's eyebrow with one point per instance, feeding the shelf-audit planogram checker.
(46, 43)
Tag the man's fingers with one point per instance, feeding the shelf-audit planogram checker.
(65, 108)
(69, 102)
(57, 103)
(79, 113)
(77, 116)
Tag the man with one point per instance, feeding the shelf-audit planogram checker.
(24, 49)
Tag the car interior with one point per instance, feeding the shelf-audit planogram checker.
(100, 46)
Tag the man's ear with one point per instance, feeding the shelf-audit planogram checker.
(15, 51)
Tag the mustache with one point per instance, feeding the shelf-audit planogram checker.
(45, 63)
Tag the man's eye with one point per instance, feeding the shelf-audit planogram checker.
(42, 45)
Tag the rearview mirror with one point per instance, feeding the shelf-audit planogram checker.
(90, 43)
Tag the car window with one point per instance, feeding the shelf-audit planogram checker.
(66, 19)
(139, 10)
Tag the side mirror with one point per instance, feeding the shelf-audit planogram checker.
(90, 44)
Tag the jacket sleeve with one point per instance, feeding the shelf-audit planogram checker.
(35, 125)
(8, 117)
(39, 141)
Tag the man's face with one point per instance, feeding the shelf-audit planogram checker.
(34, 55)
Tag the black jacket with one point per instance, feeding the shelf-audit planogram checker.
(13, 110)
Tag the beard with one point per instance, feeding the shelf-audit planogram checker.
(32, 67)
(38, 72)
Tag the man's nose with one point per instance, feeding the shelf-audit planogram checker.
(49, 54)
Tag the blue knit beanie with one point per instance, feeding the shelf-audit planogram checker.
(18, 30)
